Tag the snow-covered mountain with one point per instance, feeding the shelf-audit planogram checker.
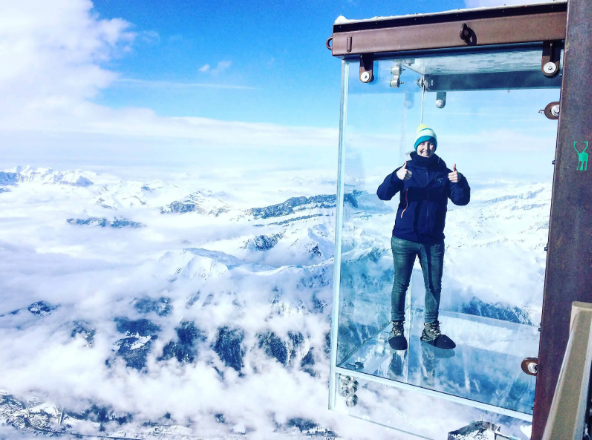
(119, 291)
(45, 176)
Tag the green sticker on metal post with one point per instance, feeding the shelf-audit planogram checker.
(582, 157)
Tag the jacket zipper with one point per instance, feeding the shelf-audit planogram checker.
(407, 202)
(428, 188)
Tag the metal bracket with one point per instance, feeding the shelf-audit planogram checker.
(552, 110)
(396, 71)
(425, 82)
(366, 68)
(468, 35)
(550, 59)
(441, 99)
(349, 386)
(530, 366)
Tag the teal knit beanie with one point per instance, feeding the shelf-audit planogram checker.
(425, 133)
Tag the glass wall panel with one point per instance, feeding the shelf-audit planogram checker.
(415, 414)
(485, 111)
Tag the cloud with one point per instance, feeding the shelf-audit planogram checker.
(95, 280)
(149, 37)
(54, 57)
(220, 67)
(492, 3)
(51, 53)
(123, 124)
(94, 274)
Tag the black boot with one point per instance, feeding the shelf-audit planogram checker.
(432, 335)
(397, 339)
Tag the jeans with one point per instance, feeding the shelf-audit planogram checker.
(431, 259)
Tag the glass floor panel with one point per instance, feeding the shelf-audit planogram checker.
(484, 366)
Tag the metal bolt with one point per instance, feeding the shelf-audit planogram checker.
(365, 77)
(553, 162)
(346, 379)
(546, 248)
(396, 82)
(349, 387)
(351, 401)
(550, 68)
(440, 99)
(533, 368)
(352, 386)
(530, 366)
(345, 391)
(396, 70)
(555, 110)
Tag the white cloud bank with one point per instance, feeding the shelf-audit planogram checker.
(200, 262)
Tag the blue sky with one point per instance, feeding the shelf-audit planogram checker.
(211, 84)
(274, 50)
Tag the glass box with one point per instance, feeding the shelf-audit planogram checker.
(485, 108)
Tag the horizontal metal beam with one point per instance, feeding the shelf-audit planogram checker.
(491, 81)
(525, 24)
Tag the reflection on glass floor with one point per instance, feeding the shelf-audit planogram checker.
(484, 366)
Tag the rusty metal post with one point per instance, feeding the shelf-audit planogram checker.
(569, 260)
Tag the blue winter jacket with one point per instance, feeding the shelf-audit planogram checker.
(423, 198)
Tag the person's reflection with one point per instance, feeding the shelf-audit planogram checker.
(396, 365)
(429, 363)
(430, 358)
(425, 184)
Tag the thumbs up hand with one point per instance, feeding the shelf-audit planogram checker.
(455, 175)
(404, 173)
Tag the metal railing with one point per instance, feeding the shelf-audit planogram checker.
(568, 416)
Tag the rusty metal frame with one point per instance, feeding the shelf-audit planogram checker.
(455, 29)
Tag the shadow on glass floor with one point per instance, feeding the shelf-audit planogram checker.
(484, 366)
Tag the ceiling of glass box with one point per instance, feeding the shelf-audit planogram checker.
(492, 62)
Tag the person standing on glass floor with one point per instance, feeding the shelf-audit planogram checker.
(425, 184)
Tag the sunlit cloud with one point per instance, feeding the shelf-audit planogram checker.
(52, 54)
